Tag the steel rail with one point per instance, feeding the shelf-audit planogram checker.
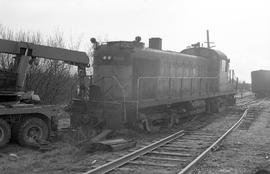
(131, 156)
(203, 154)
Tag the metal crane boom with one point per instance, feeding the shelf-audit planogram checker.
(25, 51)
(69, 56)
(12, 79)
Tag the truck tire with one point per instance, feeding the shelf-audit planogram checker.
(5, 133)
(31, 130)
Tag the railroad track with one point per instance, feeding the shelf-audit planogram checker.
(254, 112)
(246, 101)
(177, 153)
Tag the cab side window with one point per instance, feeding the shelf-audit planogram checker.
(224, 66)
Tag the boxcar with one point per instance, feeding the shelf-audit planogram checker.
(260, 82)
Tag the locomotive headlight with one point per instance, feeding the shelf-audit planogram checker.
(104, 57)
(109, 57)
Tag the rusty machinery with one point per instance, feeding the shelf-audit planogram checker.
(25, 122)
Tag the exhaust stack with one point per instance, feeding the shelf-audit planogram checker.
(155, 43)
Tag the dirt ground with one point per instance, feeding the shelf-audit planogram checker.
(244, 151)
(65, 157)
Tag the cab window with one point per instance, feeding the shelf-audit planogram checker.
(223, 66)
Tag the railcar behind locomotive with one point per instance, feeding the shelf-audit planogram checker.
(150, 88)
(260, 82)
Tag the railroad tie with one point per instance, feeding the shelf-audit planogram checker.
(171, 154)
(130, 170)
(163, 159)
(151, 164)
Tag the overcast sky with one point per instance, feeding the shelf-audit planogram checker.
(239, 28)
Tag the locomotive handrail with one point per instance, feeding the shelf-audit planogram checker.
(163, 77)
(141, 77)
(122, 89)
(124, 96)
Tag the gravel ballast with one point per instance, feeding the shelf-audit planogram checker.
(244, 150)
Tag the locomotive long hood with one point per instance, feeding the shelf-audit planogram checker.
(154, 54)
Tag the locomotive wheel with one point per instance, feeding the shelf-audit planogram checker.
(172, 121)
(30, 130)
(232, 100)
(214, 105)
(208, 106)
(151, 126)
(156, 123)
(148, 126)
(145, 125)
(221, 105)
(5, 133)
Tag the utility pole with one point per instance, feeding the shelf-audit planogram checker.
(208, 40)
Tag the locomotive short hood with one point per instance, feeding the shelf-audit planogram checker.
(205, 52)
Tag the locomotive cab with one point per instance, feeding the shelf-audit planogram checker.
(218, 66)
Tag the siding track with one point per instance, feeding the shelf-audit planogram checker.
(176, 153)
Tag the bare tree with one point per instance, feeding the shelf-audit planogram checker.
(52, 80)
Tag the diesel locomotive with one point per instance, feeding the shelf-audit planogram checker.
(151, 88)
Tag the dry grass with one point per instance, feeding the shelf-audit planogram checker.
(32, 161)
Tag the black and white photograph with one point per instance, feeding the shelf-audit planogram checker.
(134, 87)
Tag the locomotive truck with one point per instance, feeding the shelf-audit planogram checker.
(151, 88)
(25, 122)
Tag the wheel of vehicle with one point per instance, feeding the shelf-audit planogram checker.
(221, 105)
(214, 105)
(5, 133)
(31, 130)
